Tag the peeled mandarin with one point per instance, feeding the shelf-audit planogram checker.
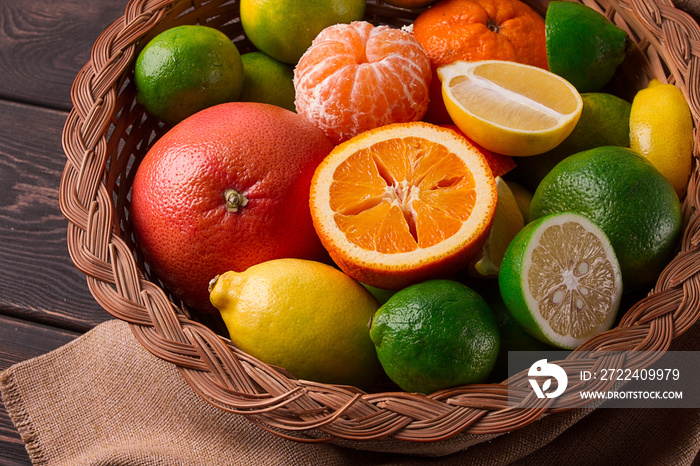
(357, 77)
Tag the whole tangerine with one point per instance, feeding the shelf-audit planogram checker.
(471, 30)
(226, 189)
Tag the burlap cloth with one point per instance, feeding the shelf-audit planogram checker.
(104, 400)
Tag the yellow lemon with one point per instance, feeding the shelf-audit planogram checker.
(284, 29)
(523, 197)
(304, 316)
(507, 222)
(508, 107)
(661, 129)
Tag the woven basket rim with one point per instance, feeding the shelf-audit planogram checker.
(307, 411)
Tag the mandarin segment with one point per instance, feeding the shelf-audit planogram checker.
(357, 185)
(356, 77)
(456, 202)
(433, 225)
(382, 228)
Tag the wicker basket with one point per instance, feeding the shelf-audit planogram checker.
(107, 133)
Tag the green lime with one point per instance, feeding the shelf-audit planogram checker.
(186, 69)
(605, 121)
(267, 80)
(627, 197)
(434, 335)
(284, 29)
(513, 336)
(560, 279)
(583, 47)
(380, 294)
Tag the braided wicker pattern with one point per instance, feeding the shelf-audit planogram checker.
(107, 133)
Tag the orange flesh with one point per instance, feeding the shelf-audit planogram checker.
(401, 194)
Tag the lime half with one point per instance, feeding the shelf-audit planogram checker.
(560, 279)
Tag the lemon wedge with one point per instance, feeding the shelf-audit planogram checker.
(507, 222)
(508, 107)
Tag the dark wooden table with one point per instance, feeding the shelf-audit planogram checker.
(44, 299)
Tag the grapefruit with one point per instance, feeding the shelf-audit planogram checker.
(226, 189)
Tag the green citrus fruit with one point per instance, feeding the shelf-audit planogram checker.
(627, 197)
(305, 316)
(186, 69)
(267, 80)
(434, 335)
(605, 121)
(284, 29)
(560, 279)
(382, 295)
(583, 47)
(513, 336)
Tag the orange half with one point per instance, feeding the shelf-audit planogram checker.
(403, 203)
